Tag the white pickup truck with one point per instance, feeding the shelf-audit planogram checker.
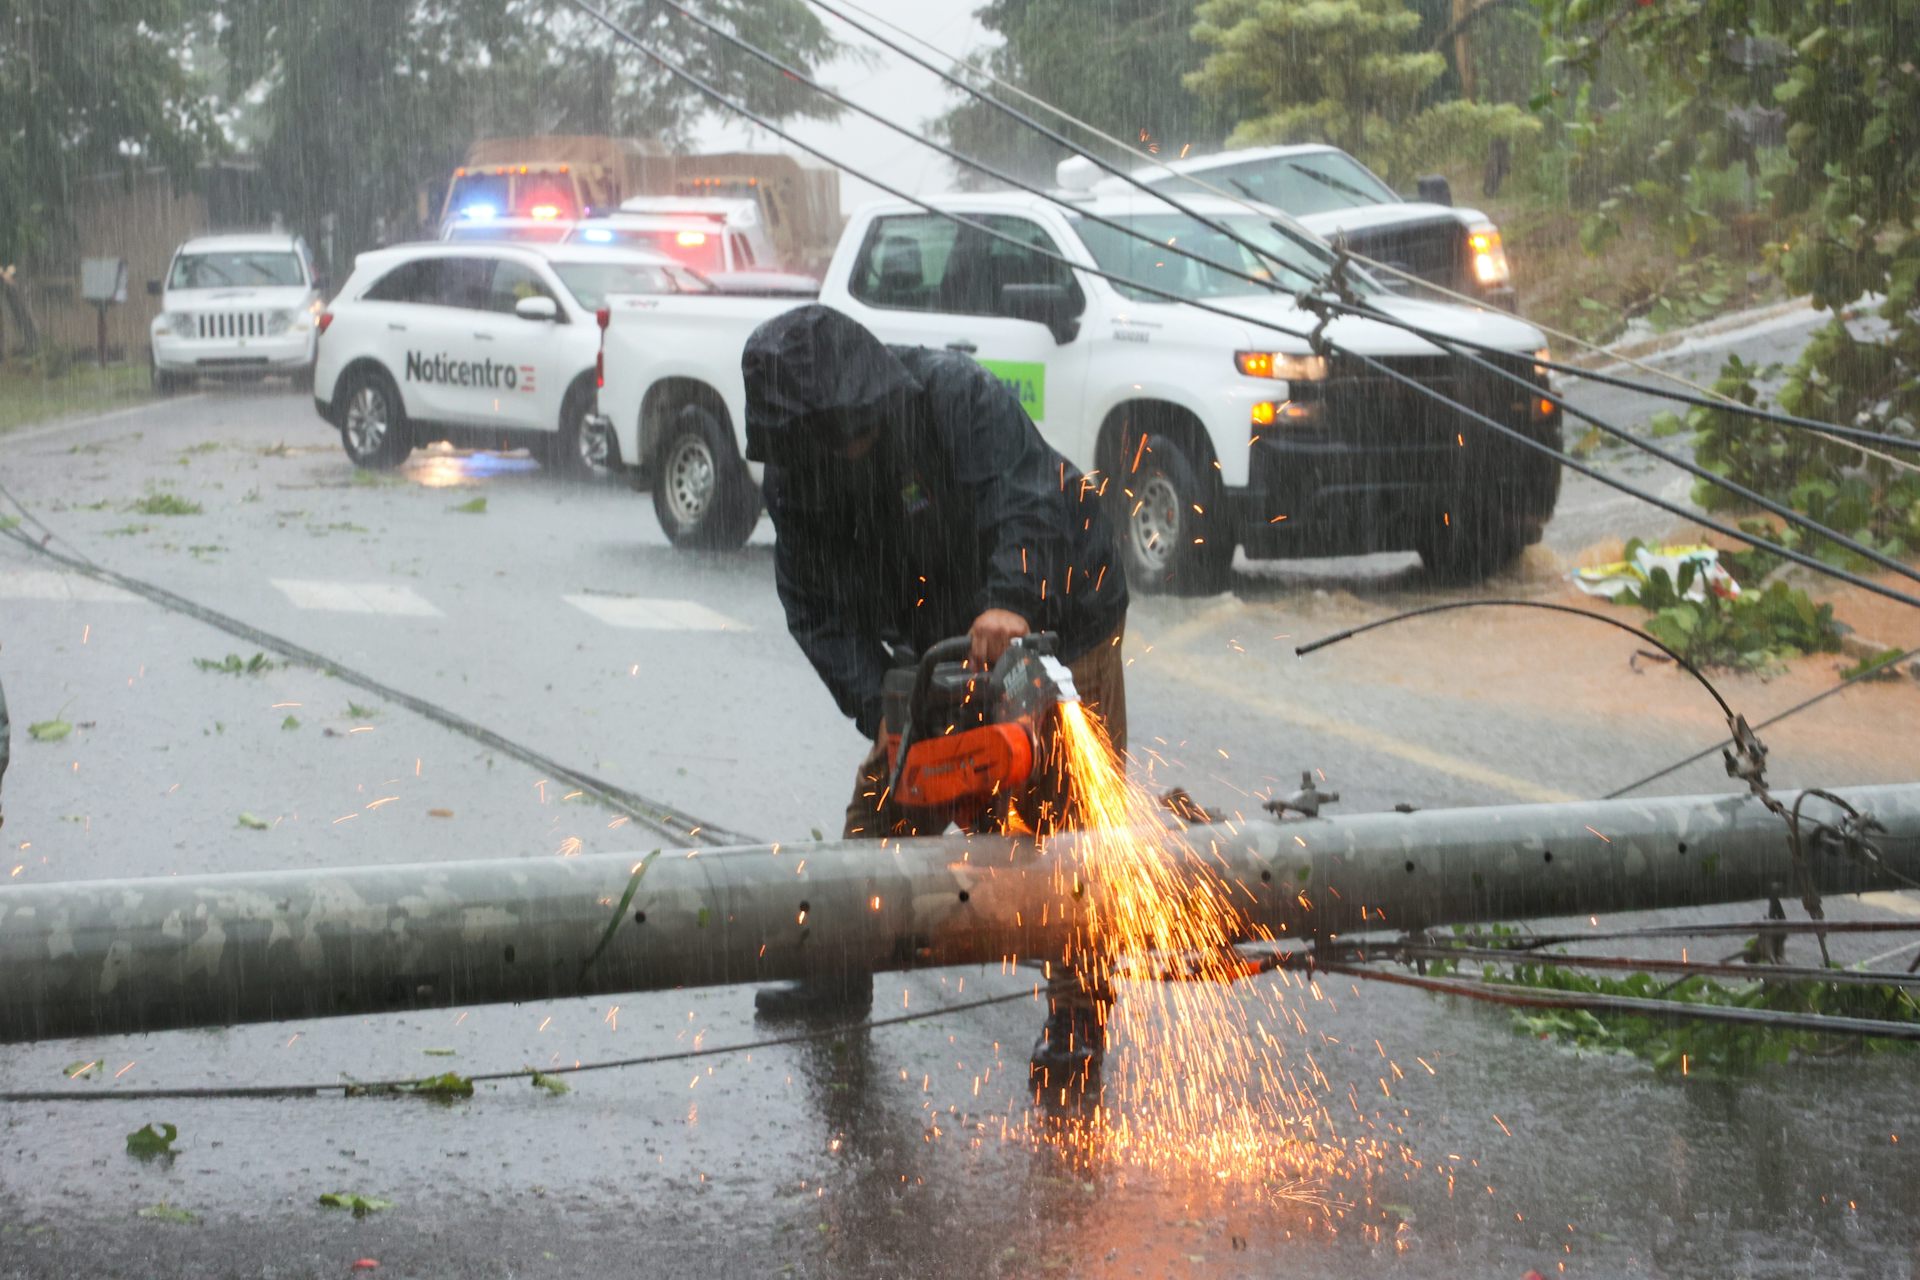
(1216, 433)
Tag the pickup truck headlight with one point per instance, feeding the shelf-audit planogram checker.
(279, 321)
(1278, 364)
(181, 322)
(1489, 256)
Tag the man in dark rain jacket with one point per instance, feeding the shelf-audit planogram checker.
(912, 500)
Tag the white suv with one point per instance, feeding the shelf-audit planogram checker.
(486, 345)
(235, 306)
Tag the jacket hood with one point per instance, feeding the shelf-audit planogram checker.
(816, 380)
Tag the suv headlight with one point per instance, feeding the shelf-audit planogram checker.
(1489, 255)
(181, 322)
(279, 321)
(1278, 364)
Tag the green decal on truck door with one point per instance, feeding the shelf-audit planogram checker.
(1027, 379)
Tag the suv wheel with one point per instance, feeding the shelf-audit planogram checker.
(701, 490)
(578, 451)
(1171, 541)
(373, 426)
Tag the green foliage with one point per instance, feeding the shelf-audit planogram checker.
(1348, 72)
(1713, 1049)
(49, 730)
(471, 507)
(1847, 181)
(1761, 628)
(1117, 63)
(359, 101)
(552, 1084)
(88, 87)
(252, 823)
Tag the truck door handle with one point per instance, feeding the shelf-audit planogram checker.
(397, 328)
(483, 337)
(963, 346)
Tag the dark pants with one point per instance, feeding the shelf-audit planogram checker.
(1100, 674)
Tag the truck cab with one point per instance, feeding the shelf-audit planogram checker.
(1339, 199)
(714, 236)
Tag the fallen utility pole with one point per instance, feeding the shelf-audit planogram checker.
(113, 957)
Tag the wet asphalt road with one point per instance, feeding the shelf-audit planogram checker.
(559, 617)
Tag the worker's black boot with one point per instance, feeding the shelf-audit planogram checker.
(1073, 1043)
(839, 997)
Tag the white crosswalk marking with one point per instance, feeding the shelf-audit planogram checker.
(356, 597)
(640, 614)
(44, 584)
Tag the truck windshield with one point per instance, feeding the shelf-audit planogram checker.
(267, 270)
(1184, 277)
(591, 282)
(1314, 182)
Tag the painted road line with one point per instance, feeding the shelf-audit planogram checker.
(1373, 739)
(355, 597)
(44, 584)
(637, 613)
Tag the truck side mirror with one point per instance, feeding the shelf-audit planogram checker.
(153, 289)
(1435, 189)
(1053, 305)
(537, 308)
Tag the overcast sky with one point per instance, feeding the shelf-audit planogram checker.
(889, 84)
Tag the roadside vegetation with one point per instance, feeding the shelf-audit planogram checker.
(31, 392)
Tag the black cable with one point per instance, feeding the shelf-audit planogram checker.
(1628, 384)
(1663, 1010)
(1059, 139)
(1794, 710)
(1685, 464)
(1701, 968)
(1324, 641)
(662, 819)
(1593, 473)
(1001, 175)
(1014, 113)
(387, 1087)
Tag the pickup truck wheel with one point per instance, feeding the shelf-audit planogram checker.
(1469, 549)
(701, 490)
(373, 426)
(578, 450)
(1170, 541)
(166, 384)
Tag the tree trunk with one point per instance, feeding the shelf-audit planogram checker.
(16, 303)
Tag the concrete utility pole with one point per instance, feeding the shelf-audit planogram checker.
(117, 956)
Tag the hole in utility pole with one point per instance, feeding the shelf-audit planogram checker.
(1683, 846)
(1547, 856)
(639, 917)
(965, 896)
(509, 953)
(1266, 877)
(1409, 868)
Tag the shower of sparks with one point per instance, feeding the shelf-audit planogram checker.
(1199, 1078)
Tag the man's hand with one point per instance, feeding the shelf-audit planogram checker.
(992, 632)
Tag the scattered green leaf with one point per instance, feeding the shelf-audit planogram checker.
(82, 1070)
(234, 665)
(291, 723)
(361, 1205)
(164, 1212)
(1878, 662)
(49, 730)
(151, 1141)
(165, 504)
(252, 823)
(473, 507)
(552, 1084)
(358, 712)
(438, 1053)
